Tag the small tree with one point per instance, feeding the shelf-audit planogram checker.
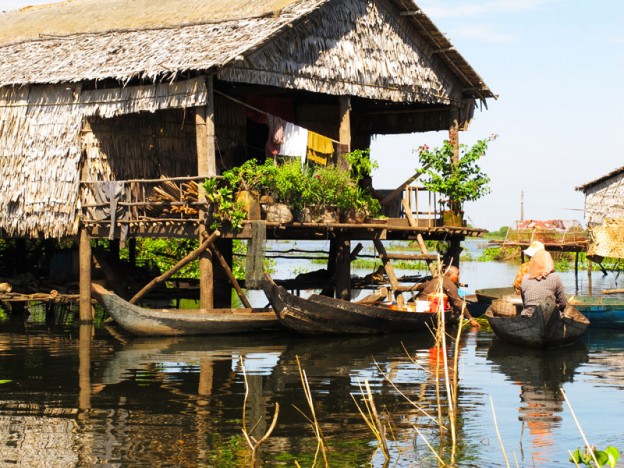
(458, 181)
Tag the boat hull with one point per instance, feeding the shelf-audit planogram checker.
(178, 322)
(601, 311)
(321, 315)
(547, 328)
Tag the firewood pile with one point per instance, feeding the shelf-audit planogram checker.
(179, 197)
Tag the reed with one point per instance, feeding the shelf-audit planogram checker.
(321, 447)
(254, 443)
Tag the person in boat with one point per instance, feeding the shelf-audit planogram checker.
(450, 287)
(541, 281)
(534, 247)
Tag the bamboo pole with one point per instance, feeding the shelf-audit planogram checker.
(189, 258)
(230, 275)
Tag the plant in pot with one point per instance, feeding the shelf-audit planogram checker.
(251, 181)
(323, 193)
(458, 181)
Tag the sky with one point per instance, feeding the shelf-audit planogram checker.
(557, 67)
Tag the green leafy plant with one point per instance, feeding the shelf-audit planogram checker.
(361, 164)
(227, 213)
(608, 456)
(459, 181)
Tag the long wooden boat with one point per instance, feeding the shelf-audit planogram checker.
(601, 311)
(173, 322)
(322, 315)
(547, 328)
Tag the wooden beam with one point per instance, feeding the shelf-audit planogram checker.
(230, 275)
(169, 273)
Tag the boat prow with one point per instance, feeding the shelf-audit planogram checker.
(322, 315)
(173, 322)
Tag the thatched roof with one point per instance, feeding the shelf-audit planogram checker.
(585, 187)
(80, 40)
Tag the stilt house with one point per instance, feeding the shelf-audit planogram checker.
(144, 92)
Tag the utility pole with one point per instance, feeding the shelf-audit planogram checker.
(521, 205)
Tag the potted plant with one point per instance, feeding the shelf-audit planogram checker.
(458, 181)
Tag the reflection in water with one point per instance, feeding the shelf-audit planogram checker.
(178, 401)
(540, 375)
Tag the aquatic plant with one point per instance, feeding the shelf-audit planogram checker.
(596, 458)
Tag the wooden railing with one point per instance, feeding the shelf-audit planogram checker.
(172, 199)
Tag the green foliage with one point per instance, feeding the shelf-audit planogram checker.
(459, 181)
(322, 186)
(227, 213)
(500, 234)
(609, 456)
(361, 164)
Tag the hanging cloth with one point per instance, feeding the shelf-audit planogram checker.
(320, 148)
(295, 141)
(276, 135)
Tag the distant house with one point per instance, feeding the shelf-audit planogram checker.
(604, 197)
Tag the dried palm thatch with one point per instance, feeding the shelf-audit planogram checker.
(40, 147)
(123, 39)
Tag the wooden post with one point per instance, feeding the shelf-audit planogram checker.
(454, 133)
(343, 268)
(344, 131)
(132, 251)
(84, 253)
(576, 258)
(222, 254)
(206, 166)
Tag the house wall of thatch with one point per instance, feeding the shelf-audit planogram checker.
(352, 48)
(41, 147)
(605, 200)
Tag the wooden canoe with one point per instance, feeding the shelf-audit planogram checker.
(601, 311)
(322, 315)
(547, 328)
(173, 322)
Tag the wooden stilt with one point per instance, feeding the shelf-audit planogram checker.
(343, 268)
(344, 131)
(576, 258)
(132, 251)
(206, 166)
(84, 253)
(221, 252)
